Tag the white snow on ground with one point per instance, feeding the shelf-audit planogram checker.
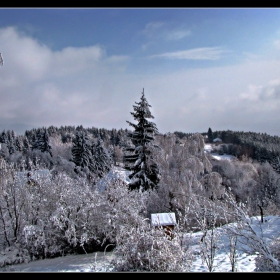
(245, 262)
(223, 157)
(208, 148)
(96, 262)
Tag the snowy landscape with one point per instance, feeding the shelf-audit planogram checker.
(100, 261)
(86, 185)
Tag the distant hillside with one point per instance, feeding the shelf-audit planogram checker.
(257, 146)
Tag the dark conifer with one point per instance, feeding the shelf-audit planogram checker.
(140, 158)
(81, 154)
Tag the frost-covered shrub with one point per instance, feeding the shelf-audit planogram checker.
(149, 249)
(264, 263)
(14, 255)
(35, 240)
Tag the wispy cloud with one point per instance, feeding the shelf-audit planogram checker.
(263, 93)
(213, 53)
(118, 58)
(166, 31)
(152, 27)
(178, 34)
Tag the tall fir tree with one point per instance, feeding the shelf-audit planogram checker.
(41, 141)
(11, 141)
(101, 161)
(140, 158)
(19, 143)
(81, 154)
(26, 144)
(4, 137)
(210, 135)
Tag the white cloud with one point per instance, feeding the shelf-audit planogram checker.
(178, 34)
(118, 58)
(263, 93)
(84, 86)
(213, 53)
(152, 27)
(30, 58)
(72, 60)
(43, 87)
(166, 31)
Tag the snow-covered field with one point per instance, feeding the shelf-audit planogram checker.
(269, 230)
(96, 262)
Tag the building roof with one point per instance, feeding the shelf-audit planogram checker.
(163, 219)
(116, 174)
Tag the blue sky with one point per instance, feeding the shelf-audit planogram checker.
(200, 67)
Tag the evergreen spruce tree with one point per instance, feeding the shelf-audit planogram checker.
(81, 154)
(140, 158)
(210, 135)
(101, 161)
(44, 141)
(11, 141)
(4, 137)
(26, 144)
(41, 141)
(19, 143)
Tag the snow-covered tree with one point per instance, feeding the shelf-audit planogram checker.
(8, 138)
(19, 143)
(140, 158)
(81, 154)
(101, 160)
(252, 241)
(11, 141)
(4, 137)
(42, 141)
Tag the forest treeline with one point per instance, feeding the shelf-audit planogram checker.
(91, 152)
(65, 148)
(260, 147)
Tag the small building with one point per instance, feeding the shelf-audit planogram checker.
(167, 221)
(217, 141)
(116, 176)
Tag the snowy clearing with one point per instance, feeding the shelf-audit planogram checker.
(208, 148)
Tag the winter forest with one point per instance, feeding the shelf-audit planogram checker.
(51, 202)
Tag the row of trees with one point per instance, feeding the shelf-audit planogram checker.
(257, 146)
(92, 157)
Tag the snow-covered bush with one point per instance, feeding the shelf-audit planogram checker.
(14, 255)
(252, 241)
(265, 263)
(149, 249)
